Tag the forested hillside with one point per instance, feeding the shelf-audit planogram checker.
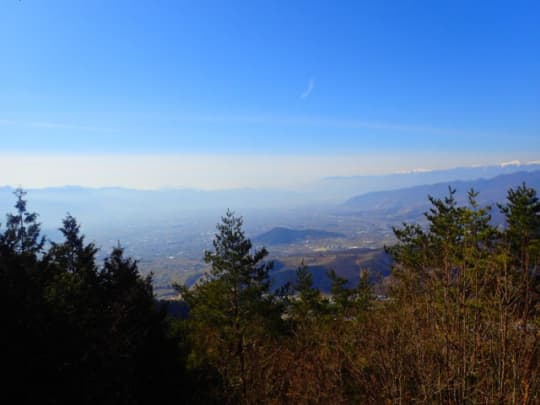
(456, 322)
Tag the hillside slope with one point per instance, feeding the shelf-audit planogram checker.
(414, 198)
(280, 236)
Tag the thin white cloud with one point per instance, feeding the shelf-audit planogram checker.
(56, 125)
(351, 123)
(275, 120)
(309, 89)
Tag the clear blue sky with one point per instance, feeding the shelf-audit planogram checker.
(269, 77)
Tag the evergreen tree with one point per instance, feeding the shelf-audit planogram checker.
(232, 307)
(349, 302)
(309, 303)
(462, 295)
(22, 234)
(522, 214)
(73, 254)
(73, 333)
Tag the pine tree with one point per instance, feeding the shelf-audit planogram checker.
(309, 304)
(522, 214)
(232, 307)
(350, 302)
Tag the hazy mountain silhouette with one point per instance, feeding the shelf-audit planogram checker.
(279, 235)
(415, 198)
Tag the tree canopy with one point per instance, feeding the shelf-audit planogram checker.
(456, 322)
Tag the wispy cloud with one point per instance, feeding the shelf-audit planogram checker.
(326, 122)
(309, 89)
(56, 125)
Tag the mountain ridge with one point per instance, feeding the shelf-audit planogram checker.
(490, 190)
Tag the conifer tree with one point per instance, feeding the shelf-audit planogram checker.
(22, 234)
(309, 304)
(73, 254)
(232, 307)
(522, 214)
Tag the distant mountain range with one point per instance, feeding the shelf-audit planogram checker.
(415, 199)
(102, 207)
(283, 236)
(169, 229)
(342, 188)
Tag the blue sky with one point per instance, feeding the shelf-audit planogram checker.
(455, 80)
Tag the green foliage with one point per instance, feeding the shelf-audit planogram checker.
(243, 273)
(309, 304)
(73, 254)
(22, 234)
(350, 302)
(522, 214)
(236, 291)
(466, 290)
(232, 308)
(458, 323)
(76, 333)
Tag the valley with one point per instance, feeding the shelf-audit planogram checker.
(167, 234)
